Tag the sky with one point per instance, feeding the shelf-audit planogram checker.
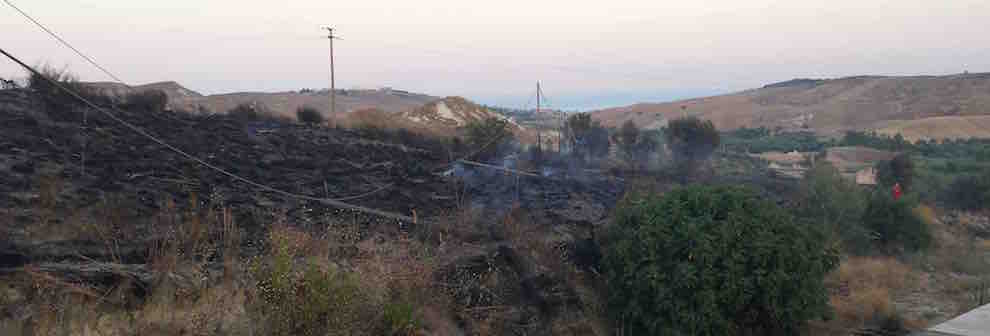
(586, 54)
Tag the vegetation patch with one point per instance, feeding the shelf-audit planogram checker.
(713, 261)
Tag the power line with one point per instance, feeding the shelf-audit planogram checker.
(63, 41)
(141, 132)
(332, 202)
(331, 37)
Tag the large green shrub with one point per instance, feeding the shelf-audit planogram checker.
(836, 204)
(895, 223)
(713, 261)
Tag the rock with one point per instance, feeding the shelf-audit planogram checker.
(976, 223)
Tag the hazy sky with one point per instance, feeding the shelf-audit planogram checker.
(586, 53)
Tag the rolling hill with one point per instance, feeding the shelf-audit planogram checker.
(923, 106)
(281, 103)
(441, 117)
(385, 108)
(173, 90)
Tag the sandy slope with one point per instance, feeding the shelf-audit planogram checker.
(283, 103)
(938, 127)
(826, 106)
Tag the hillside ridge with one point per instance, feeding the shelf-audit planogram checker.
(828, 106)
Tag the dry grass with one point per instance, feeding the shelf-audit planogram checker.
(179, 302)
(394, 276)
(871, 272)
(862, 289)
(552, 258)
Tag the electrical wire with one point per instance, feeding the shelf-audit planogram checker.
(63, 41)
(332, 202)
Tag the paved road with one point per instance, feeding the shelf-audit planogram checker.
(974, 323)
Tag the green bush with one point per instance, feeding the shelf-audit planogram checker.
(761, 140)
(713, 261)
(309, 115)
(895, 223)
(401, 318)
(835, 204)
(311, 302)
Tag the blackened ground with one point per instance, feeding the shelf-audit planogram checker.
(37, 146)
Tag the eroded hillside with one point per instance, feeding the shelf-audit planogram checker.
(830, 106)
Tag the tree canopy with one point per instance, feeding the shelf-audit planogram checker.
(692, 141)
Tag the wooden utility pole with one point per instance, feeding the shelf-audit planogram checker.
(333, 87)
(538, 137)
(537, 97)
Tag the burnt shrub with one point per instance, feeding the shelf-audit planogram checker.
(970, 192)
(6, 84)
(636, 145)
(900, 169)
(487, 138)
(713, 261)
(309, 115)
(148, 101)
(56, 97)
(691, 141)
(587, 137)
(252, 112)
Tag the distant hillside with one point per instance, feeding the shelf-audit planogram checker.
(938, 127)
(544, 120)
(282, 103)
(442, 117)
(286, 103)
(173, 90)
(828, 106)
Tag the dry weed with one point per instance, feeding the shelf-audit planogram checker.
(862, 290)
(871, 272)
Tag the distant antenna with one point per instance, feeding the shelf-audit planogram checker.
(333, 86)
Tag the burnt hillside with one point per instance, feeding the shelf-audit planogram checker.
(316, 162)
